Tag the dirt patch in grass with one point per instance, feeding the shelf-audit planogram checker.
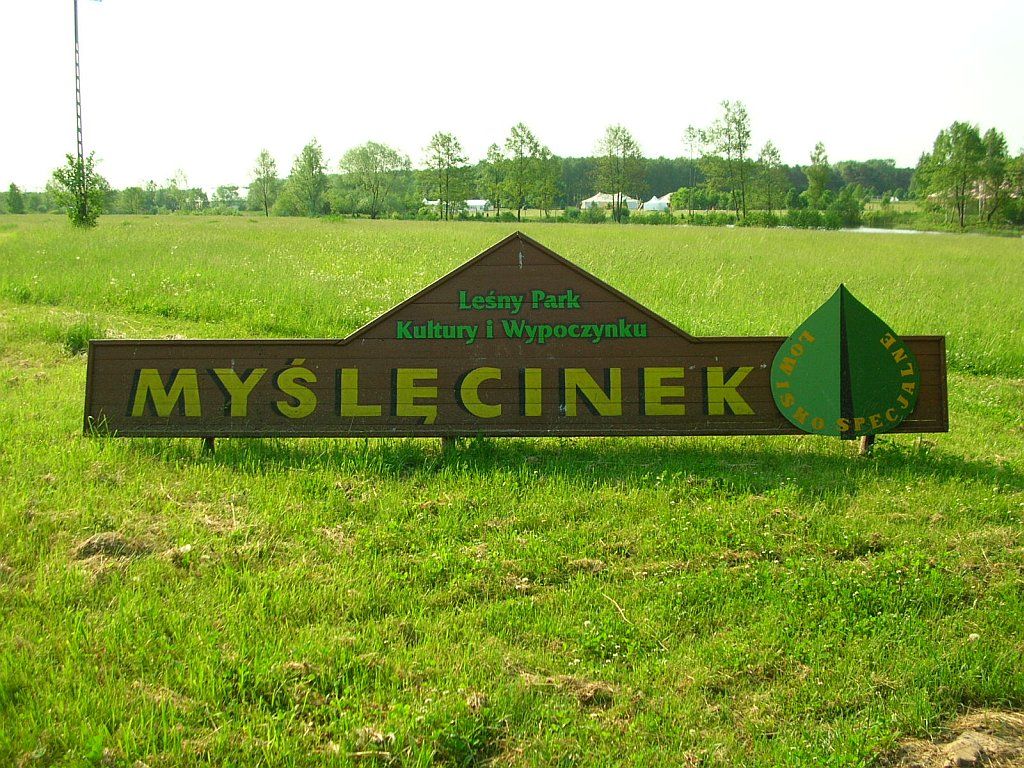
(221, 525)
(161, 695)
(109, 544)
(340, 537)
(986, 738)
(587, 565)
(589, 693)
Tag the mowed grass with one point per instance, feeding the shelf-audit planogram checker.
(744, 601)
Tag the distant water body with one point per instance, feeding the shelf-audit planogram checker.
(880, 231)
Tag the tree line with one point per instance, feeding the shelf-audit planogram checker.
(722, 171)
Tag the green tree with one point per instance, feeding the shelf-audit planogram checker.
(576, 179)
(692, 139)
(80, 190)
(771, 175)
(375, 168)
(446, 166)
(549, 170)
(992, 191)
(954, 167)
(264, 185)
(876, 175)
(15, 200)
(818, 174)
(132, 200)
(521, 176)
(226, 196)
(846, 208)
(728, 142)
(308, 179)
(491, 177)
(919, 181)
(621, 167)
(793, 200)
(1015, 189)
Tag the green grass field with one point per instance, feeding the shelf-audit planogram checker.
(699, 601)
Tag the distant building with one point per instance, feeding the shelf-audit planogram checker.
(604, 200)
(478, 206)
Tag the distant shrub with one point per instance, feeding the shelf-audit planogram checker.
(883, 219)
(711, 219)
(427, 213)
(759, 219)
(570, 214)
(593, 215)
(654, 217)
(831, 220)
(804, 218)
(220, 210)
(506, 216)
(844, 210)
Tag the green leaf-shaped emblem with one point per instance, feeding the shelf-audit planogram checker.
(844, 372)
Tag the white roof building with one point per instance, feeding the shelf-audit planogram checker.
(656, 204)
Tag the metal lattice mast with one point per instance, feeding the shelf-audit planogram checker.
(84, 201)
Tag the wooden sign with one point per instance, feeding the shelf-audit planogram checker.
(517, 341)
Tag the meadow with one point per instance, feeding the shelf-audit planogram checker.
(685, 601)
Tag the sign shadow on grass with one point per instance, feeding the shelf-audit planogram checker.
(715, 465)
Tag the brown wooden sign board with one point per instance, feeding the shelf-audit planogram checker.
(515, 342)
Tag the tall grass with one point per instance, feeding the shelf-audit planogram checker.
(297, 277)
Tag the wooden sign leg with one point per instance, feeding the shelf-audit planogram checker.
(867, 444)
(208, 446)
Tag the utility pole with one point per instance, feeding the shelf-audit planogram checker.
(83, 192)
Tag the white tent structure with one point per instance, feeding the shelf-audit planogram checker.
(656, 205)
(600, 200)
(604, 200)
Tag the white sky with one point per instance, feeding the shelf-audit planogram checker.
(203, 86)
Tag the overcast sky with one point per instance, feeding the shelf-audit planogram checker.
(203, 86)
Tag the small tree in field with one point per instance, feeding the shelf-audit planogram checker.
(446, 167)
(15, 200)
(308, 180)
(492, 177)
(263, 189)
(78, 189)
(621, 168)
(375, 168)
(817, 174)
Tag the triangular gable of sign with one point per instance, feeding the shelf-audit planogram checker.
(518, 268)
